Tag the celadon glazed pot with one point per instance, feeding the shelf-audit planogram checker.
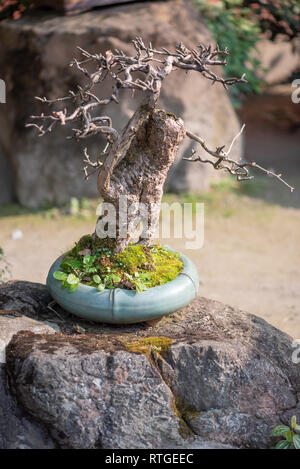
(120, 306)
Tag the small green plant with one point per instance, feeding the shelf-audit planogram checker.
(290, 433)
(5, 272)
(137, 267)
(276, 17)
(238, 26)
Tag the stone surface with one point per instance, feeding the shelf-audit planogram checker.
(99, 399)
(33, 61)
(18, 300)
(24, 298)
(17, 430)
(11, 325)
(226, 379)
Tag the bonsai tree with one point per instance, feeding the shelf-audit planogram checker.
(134, 163)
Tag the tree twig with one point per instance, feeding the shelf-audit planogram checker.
(236, 168)
(144, 71)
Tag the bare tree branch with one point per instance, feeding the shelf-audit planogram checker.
(94, 164)
(141, 176)
(145, 72)
(238, 169)
(153, 64)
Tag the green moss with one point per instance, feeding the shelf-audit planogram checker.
(134, 257)
(171, 114)
(95, 263)
(149, 344)
(26, 341)
(186, 411)
(183, 428)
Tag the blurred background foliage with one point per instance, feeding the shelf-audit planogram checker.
(239, 24)
(14, 8)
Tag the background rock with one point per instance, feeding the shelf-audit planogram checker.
(279, 59)
(75, 6)
(27, 298)
(6, 180)
(33, 60)
(227, 378)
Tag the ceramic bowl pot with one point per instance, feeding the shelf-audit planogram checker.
(120, 306)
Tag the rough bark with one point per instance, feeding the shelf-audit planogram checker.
(140, 175)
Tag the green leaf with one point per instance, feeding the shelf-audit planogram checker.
(289, 436)
(140, 287)
(59, 275)
(72, 279)
(73, 287)
(100, 287)
(283, 444)
(76, 264)
(280, 430)
(116, 278)
(296, 441)
(88, 260)
(129, 276)
(145, 277)
(97, 279)
(90, 270)
(294, 421)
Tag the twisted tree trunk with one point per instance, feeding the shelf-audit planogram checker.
(138, 176)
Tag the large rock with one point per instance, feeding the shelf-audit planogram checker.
(17, 430)
(95, 398)
(35, 51)
(207, 376)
